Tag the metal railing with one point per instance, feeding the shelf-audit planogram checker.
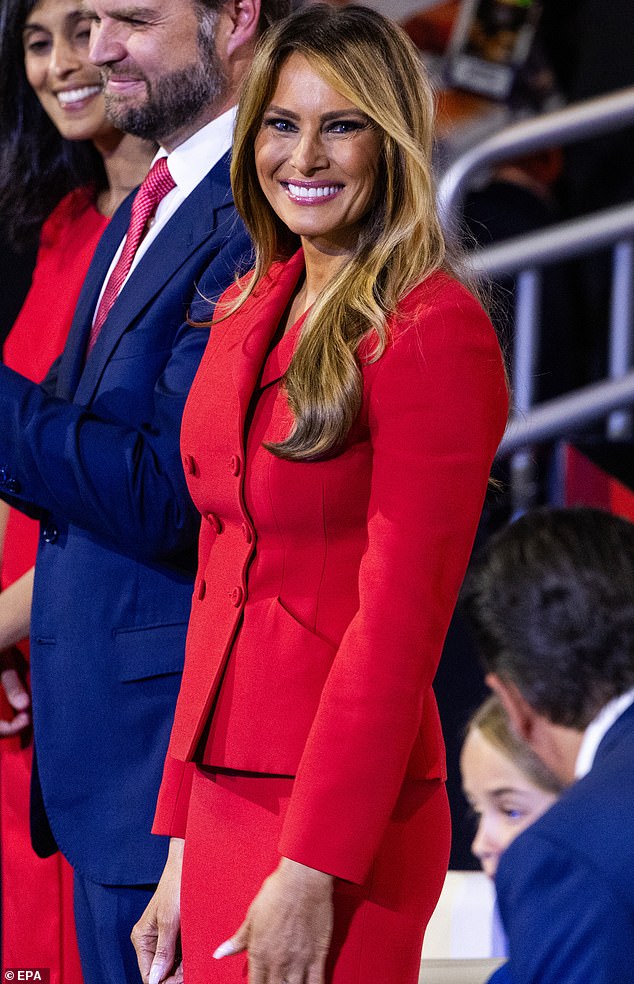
(526, 256)
(579, 121)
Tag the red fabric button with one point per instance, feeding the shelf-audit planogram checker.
(235, 464)
(236, 597)
(213, 521)
(189, 464)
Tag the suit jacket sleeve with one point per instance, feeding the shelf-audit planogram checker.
(564, 923)
(437, 406)
(73, 461)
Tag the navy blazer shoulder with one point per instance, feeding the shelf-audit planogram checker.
(566, 886)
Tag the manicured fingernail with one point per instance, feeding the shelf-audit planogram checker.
(224, 950)
(155, 973)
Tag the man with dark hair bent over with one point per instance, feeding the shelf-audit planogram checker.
(552, 604)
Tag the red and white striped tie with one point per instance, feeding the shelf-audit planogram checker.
(155, 186)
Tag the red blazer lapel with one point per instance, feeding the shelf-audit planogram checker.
(255, 325)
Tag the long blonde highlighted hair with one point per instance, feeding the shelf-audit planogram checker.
(371, 62)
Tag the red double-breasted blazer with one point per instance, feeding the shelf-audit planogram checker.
(325, 589)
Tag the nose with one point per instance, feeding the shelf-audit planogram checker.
(64, 58)
(484, 846)
(104, 48)
(308, 153)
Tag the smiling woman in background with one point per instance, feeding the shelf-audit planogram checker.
(337, 439)
(63, 170)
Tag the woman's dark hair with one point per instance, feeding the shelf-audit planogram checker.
(37, 165)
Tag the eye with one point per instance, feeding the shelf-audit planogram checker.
(82, 34)
(346, 126)
(279, 124)
(37, 45)
(512, 813)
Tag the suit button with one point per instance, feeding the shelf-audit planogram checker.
(236, 597)
(49, 534)
(214, 522)
(202, 589)
(190, 466)
(235, 464)
(247, 532)
(9, 484)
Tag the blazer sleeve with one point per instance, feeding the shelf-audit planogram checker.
(437, 405)
(121, 481)
(564, 922)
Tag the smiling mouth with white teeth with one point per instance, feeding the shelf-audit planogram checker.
(312, 193)
(71, 97)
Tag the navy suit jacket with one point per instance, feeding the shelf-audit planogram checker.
(566, 885)
(95, 453)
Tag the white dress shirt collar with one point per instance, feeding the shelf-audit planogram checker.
(598, 728)
(188, 164)
(195, 157)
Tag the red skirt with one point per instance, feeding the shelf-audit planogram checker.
(233, 829)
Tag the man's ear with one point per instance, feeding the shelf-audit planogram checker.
(245, 17)
(519, 711)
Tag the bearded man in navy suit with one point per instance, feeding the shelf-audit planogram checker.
(552, 604)
(94, 453)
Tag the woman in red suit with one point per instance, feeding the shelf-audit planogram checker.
(337, 439)
(57, 152)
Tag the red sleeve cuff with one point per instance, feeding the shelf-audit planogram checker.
(173, 800)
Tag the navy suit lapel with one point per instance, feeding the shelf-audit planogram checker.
(192, 225)
(72, 359)
(189, 228)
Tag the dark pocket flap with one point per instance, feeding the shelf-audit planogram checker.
(150, 651)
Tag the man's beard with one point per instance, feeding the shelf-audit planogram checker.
(174, 100)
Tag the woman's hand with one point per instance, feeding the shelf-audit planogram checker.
(12, 681)
(288, 927)
(156, 936)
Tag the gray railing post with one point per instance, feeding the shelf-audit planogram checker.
(621, 320)
(524, 257)
(525, 356)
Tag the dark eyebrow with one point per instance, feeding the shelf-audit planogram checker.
(126, 13)
(73, 17)
(325, 117)
(132, 12)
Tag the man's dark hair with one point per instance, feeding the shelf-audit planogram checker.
(551, 601)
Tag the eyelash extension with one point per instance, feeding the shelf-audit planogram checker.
(351, 126)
